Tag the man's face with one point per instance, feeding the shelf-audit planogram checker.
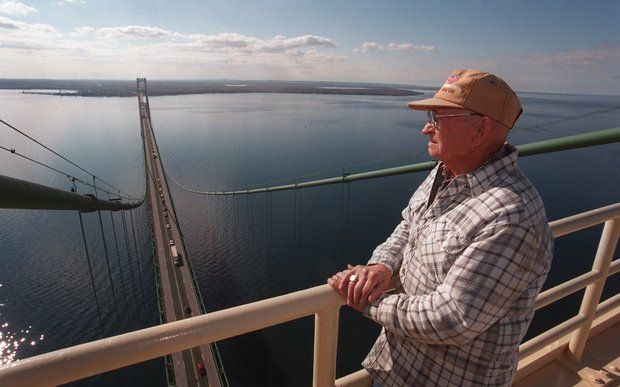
(452, 140)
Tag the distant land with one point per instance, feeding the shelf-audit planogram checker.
(108, 88)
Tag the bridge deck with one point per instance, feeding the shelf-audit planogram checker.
(176, 281)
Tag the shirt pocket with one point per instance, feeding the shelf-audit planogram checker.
(451, 245)
(453, 242)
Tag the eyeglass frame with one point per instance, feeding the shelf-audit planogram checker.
(431, 116)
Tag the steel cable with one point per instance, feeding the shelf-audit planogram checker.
(90, 271)
(137, 258)
(61, 156)
(107, 260)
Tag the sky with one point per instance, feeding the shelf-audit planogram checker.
(540, 46)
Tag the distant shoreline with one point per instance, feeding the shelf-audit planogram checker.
(95, 88)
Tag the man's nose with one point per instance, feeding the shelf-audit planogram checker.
(428, 128)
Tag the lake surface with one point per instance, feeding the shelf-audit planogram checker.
(249, 248)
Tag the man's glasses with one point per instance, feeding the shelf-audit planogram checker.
(433, 118)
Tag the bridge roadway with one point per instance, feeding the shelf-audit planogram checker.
(176, 281)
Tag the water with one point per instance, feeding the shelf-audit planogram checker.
(246, 249)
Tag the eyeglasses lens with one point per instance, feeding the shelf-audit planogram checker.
(430, 115)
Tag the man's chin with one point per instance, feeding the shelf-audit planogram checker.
(432, 150)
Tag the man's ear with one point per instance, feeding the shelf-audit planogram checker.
(483, 131)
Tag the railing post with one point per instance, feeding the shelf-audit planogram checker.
(325, 347)
(592, 296)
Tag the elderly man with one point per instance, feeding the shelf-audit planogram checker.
(469, 257)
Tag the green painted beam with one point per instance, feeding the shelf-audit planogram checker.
(21, 194)
(600, 137)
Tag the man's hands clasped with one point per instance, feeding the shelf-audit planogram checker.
(359, 285)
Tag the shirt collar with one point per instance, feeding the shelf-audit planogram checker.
(484, 176)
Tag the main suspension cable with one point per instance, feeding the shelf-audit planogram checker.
(335, 180)
(59, 155)
(71, 177)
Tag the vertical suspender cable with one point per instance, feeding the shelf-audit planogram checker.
(90, 271)
(267, 223)
(299, 234)
(204, 204)
(107, 260)
(236, 228)
(342, 237)
(296, 250)
(133, 278)
(133, 228)
(250, 228)
(347, 228)
(120, 266)
(141, 233)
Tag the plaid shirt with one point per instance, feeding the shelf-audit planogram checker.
(470, 265)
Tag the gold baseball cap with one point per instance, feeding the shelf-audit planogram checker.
(481, 92)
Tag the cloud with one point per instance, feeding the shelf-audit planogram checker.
(368, 46)
(83, 51)
(82, 31)
(23, 27)
(134, 32)
(281, 43)
(409, 47)
(68, 2)
(573, 57)
(14, 8)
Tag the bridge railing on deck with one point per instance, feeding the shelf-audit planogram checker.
(100, 356)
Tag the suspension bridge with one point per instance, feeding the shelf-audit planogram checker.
(187, 334)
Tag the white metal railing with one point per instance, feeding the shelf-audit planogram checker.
(104, 355)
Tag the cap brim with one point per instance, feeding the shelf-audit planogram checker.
(432, 102)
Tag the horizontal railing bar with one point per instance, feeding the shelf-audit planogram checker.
(551, 335)
(100, 356)
(583, 220)
(362, 378)
(567, 288)
(614, 267)
(22, 194)
(111, 353)
(607, 305)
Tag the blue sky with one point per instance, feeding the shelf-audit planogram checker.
(554, 46)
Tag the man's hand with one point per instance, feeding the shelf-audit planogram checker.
(370, 282)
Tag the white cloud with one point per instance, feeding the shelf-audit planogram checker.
(281, 43)
(12, 26)
(68, 2)
(409, 47)
(40, 50)
(133, 32)
(82, 31)
(368, 46)
(14, 8)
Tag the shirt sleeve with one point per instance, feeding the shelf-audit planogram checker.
(482, 285)
(390, 252)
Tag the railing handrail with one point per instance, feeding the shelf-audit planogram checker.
(100, 356)
(584, 220)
